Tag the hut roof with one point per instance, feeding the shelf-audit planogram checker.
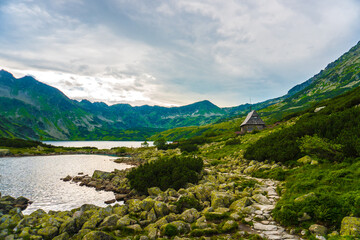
(253, 118)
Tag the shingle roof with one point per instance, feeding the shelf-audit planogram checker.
(253, 118)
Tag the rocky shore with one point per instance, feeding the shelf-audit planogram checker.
(225, 204)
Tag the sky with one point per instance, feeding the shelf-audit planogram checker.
(175, 52)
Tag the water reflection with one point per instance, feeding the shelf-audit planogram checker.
(38, 179)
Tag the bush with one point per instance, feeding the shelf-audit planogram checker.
(233, 141)
(165, 173)
(188, 147)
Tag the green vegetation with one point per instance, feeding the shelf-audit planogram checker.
(327, 134)
(165, 173)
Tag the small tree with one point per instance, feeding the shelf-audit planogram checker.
(145, 144)
(160, 143)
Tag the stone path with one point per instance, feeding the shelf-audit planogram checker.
(264, 224)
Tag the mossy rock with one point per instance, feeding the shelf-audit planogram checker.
(63, 236)
(350, 226)
(95, 235)
(48, 232)
(229, 226)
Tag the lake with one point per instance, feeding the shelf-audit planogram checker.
(38, 179)
(98, 144)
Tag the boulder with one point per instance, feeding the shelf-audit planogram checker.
(48, 232)
(154, 191)
(95, 235)
(134, 205)
(126, 221)
(261, 199)
(305, 160)
(318, 229)
(151, 215)
(63, 236)
(229, 226)
(221, 199)
(175, 228)
(161, 209)
(69, 226)
(102, 175)
(305, 197)
(110, 221)
(350, 226)
(121, 210)
(135, 227)
(189, 215)
(240, 204)
(203, 192)
(147, 204)
(93, 222)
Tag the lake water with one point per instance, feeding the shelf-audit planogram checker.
(98, 144)
(38, 179)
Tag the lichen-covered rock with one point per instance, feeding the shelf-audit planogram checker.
(121, 210)
(350, 226)
(80, 234)
(151, 215)
(126, 221)
(38, 213)
(48, 232)
(63, 236)
(152, 232)
(221, 199)
(161, 209)
(93, 221)
(134, 205)
(240, 204)
(177, 227)
(305, 197)
(203, 192)
(318, 229)
(69, 226)
(154, 191)
(102, 175)
(25, 233)
(189, 215)
(135, 227)
(261, 199)
(95, 235)
(229, 226)
(305, 160)
(147, 204)
(110, 221)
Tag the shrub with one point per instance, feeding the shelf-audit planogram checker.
(165, 173)
(186, 202)
(233, 141)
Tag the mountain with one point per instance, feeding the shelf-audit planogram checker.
(31, 109)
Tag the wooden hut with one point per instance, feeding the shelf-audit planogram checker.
(252, 122)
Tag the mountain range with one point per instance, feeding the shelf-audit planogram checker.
(33, 110)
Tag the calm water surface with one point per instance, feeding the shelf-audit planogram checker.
(98, 144)
(38, 179)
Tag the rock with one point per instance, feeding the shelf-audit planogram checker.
(121, 210)
(318, 229)
(87, 207)
(110, 201)
(240, 204)
(318, 109)
(259, 226)
(63, 236)
(93, 222)
(134, 205)
(203, 192)
(95, 235)
(175, 228)
(69, 226)
(101, 175)
(135, 227)
(48, 232)
(261, 199)
(126, 221)
(147, 204)
(350, 226)
(67, 178)
(229, 226)
(154, 191)
(80, 234)
(38, 213)
(304, 217)
(161, 209)
(110, 221)
(221, 199)
(189, 215)
(120, 197)
(151, 215)
(305, 160)
(305, 197)
(152, 232)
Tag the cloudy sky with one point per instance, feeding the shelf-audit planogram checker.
(175, 52)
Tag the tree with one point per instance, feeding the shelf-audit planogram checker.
(160, 143)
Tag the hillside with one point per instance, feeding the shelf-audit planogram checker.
(31, 109)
